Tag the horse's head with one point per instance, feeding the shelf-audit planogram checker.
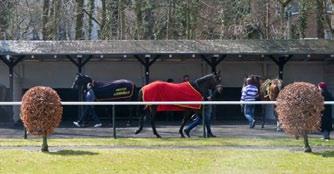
(208, 82)
(81, 81)
(274, 88)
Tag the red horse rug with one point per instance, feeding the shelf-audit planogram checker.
(164, 91)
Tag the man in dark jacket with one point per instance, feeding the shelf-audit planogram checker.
(326, 119)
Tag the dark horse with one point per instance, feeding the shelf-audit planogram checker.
(164, 91)
(268, 91)
(118, 90)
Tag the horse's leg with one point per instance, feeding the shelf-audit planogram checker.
(186, 118)
(278, 124)
(263, 113)
(141, 120)
(153, 115)
(142, 113)
(307, 147)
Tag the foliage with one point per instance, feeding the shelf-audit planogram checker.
(155, 19)
(299, 107)
(41, 110)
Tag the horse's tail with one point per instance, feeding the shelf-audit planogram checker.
(140, 110)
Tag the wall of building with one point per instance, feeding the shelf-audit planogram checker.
(59, 74)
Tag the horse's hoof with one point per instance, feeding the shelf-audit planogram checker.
(138, 131)
(187, 132)
(307, 150)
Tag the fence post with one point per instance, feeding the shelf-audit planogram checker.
(113, 121)
(203, 121)
(25, 132)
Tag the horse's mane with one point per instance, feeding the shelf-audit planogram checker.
(204, 78)
(101, 84)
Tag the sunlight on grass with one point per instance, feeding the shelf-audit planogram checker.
(165, 161)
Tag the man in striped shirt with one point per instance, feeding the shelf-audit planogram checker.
(249, 93)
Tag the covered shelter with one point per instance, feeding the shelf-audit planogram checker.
(147, 52)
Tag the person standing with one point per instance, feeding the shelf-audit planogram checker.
(89, 109)
(249, 93)
(326, 119)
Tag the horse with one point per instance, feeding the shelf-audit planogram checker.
(117, 90)
(268, 91)
(186, 91)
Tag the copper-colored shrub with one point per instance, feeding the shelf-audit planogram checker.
(299, 107)
(41, 110)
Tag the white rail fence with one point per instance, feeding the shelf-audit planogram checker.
(161, 103)
(105, 103)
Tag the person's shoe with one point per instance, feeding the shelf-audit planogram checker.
(98, 125)
(325, 138)
(252, 125)
(76, 123)
(187, 132)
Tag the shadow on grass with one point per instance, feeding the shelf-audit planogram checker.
(325, 154)
(72, 153)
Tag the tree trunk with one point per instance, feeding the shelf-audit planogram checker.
(90, 21)
(307, 147)
(79, 21)
(139, 19)
(114, 18)
(104, 20)
(121, 30)
(302, 18)
(45, 19)
(149, 20)
(5, 18)
(320, 15)
(45, 147)
(56, 19)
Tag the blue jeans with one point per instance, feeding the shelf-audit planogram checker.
(326, 134)
(249, 113)
(198, 120)
(89, 110)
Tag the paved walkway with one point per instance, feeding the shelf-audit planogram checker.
(220, 130)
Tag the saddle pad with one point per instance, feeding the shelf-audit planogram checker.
(116, 90)
(164, 91)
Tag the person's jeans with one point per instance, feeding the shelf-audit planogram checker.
(89, 110)
(198, 120)
(326, 133)
(249, 113)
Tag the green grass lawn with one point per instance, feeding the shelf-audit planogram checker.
(163, 142)
(165, 161)
(167, 155)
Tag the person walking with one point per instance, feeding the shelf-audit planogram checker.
(209, 109)
(89, 109)
(249, 93)
(326, 119)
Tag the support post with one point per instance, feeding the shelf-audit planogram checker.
(11, 62)
(213, 61)
(280, 62)
(147, 62)
(113, 121)
(203, 122)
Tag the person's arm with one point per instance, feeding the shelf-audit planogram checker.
(243, 94)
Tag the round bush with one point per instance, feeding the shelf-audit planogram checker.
(299, 107)
(41, 110)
